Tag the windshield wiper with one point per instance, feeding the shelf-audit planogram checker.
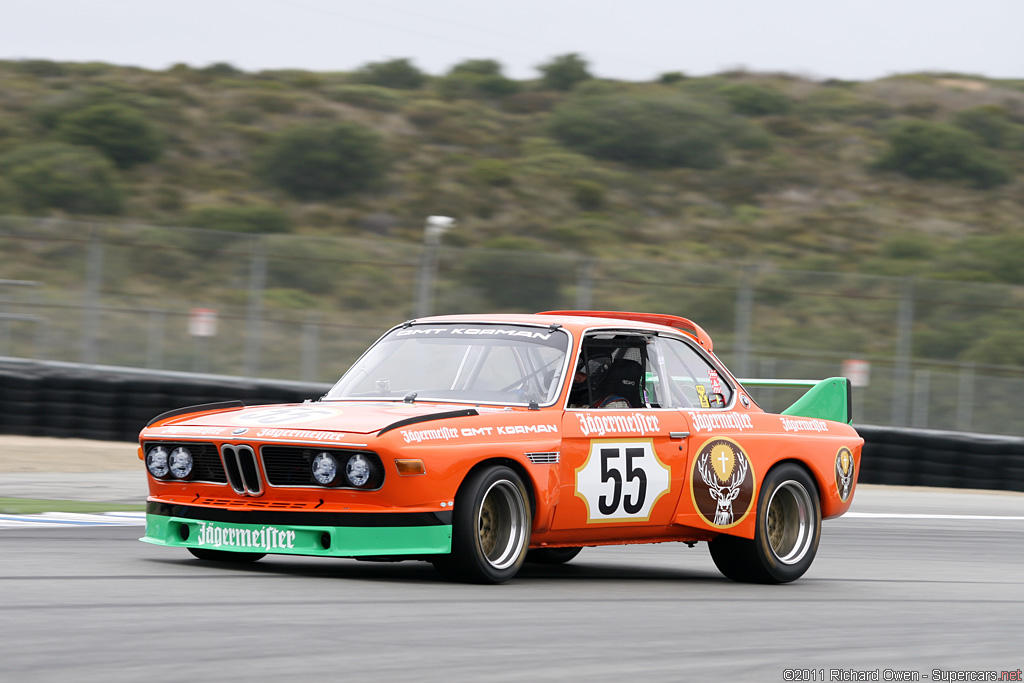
(410, 397)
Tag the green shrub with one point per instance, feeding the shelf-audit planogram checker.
(530, 101)
(59, 176)
(911, 245)
(42, 68)
(250, 219)
(396, 73)
(989, 123)
(755, 100)
(481, 67)
(325, 161)
(367, 97)
(476, 78)
(493, 172)
(589, 195)
(922, 149)
(120, 132)
(839, 103)
(785, 126)
(221, 69)
(563, 72)
(272, 102)
(670, 77)
(652, 131)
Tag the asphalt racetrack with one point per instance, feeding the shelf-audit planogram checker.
(912, 581)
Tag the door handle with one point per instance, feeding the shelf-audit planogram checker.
(678, 435)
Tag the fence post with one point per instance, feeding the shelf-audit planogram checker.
(254, 314)
(965, 398)
(310, 346)
(585, 284)
(904, 344)
(744, 318)
(91, 307)
(155, 348)
(922, 398)
(435, 227)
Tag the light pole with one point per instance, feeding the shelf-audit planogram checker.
(432, 231)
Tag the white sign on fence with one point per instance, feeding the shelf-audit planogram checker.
(202, 322)
(858, 372)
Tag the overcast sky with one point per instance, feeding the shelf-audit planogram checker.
(629, 40)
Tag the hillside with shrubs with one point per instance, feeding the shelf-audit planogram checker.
(915, 174)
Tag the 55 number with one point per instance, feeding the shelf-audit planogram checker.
(612, 463)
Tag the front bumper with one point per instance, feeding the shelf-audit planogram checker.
(326, 534)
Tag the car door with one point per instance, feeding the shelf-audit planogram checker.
(622, 464)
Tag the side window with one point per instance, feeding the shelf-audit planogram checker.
(612, 373)
(690, 381)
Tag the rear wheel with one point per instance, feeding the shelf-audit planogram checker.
(490, 528)
(552, 555)
(786, 535)
(225, 556)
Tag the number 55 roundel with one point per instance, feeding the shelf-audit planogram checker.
(621, 480)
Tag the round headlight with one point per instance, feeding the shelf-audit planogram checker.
(357, 470)
(156, 462)
(325, 469)
(180, 462)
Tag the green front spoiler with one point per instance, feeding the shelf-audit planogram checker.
(297, 539)
(828, 399)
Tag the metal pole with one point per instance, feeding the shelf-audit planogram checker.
(254, 315)
(155, 348)
(922, 398)
(965, 398)
(744, 317)
(585, 285)
(767, 396)
(310, 347)
(904, 344)
(432, 231)
(426, 279)
(91, 307)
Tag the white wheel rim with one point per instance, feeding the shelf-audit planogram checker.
(501, 524)
(789, 522)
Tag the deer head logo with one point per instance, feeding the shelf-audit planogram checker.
(723, 469)
(844, 473)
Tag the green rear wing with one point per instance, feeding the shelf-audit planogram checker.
(828, 399)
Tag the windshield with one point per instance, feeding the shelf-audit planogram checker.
(505, 364)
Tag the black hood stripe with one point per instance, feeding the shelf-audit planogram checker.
(223, 405)
(427, 418)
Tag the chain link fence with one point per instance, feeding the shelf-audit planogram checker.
(301, 308)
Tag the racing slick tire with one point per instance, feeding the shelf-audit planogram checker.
(225, 556)
(490, 528)
(551, 555)
(786, 535)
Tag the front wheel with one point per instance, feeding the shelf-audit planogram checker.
(786, 535)
(490, 528)
(226, 556)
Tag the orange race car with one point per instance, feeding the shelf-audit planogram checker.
(481, 442)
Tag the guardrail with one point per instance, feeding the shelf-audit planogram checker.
(111, 403)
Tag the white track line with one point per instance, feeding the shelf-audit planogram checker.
(914, 515)
(66, 519)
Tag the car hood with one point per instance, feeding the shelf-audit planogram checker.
(345, 417)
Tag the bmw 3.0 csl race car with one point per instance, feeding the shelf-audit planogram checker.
(481, 442)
